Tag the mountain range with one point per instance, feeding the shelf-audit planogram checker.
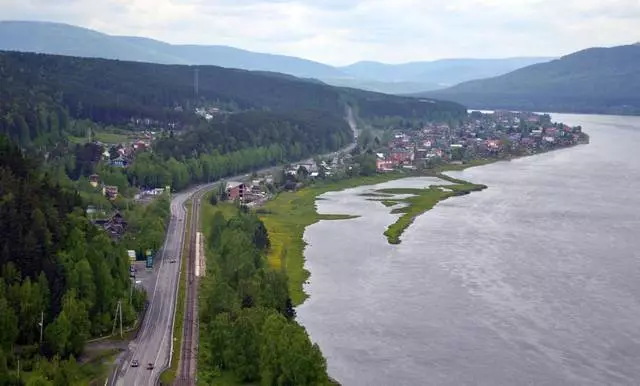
(595, 80)
(64, 39)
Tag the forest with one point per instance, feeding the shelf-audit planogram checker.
(602, 80)
(248, 327)
(56, 265)
(301, 133)
(41, 93)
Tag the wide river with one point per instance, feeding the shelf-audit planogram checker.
(534, 281)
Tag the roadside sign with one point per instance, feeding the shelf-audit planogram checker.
(149, 259)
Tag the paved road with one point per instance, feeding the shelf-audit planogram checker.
(153, 344)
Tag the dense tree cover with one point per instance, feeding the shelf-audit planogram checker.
(372, 106)
(40, 93)
(599, 80)
(54, 261)
(301, 134)
(147, 224)
(247, 325)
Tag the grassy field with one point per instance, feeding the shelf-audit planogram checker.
(78, 140)
(169, 375)
(207, 211)
(112, 138)
(102, 136)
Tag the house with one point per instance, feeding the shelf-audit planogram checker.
(309, 167)
(421, 153)
(235, 191)
(94, 179)
(140, 146)
(493, 145)
(386, 165)
(115, 226)
(91, 210)
(401, 155)
(111, 192)
(119, 162)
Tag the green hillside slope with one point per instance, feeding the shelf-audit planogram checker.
(596, 80)
(39, 93)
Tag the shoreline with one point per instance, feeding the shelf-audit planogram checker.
(287, 216)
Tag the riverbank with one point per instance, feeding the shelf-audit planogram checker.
(248, 332)
(289, 213)
(287, 216)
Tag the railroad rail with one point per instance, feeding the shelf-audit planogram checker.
(189, 350)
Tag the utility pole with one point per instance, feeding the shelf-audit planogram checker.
(196, 81)
(115, 319)
(41, 324)
(120, 306)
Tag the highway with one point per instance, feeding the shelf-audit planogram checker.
(153, 343)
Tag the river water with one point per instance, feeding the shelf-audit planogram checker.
(533, 281)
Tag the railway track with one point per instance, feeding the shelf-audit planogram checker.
(189, 350)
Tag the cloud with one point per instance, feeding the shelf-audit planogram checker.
(344, 31)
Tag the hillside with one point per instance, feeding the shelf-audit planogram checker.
(56, 265)
(595, 80)
(40, 92)
(438, 73)
(63, 39)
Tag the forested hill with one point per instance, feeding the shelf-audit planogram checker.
(56, 265)
(596, 80)
(38, 93)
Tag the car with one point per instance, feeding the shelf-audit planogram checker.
(150, 366)
(173, 260)
(134, 363)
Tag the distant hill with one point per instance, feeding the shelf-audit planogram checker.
(63, 39)
(439, 73)
(595, 80)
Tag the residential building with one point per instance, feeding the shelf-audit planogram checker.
(115, 226)
(236, 191)
(111, 192)
(385, 165)
(94, 179)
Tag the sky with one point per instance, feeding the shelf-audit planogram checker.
(340, 32)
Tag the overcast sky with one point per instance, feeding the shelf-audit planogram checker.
(344, 31)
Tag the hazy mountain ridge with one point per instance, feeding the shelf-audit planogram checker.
(599, 80)
(63, 39)
(441, 72)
